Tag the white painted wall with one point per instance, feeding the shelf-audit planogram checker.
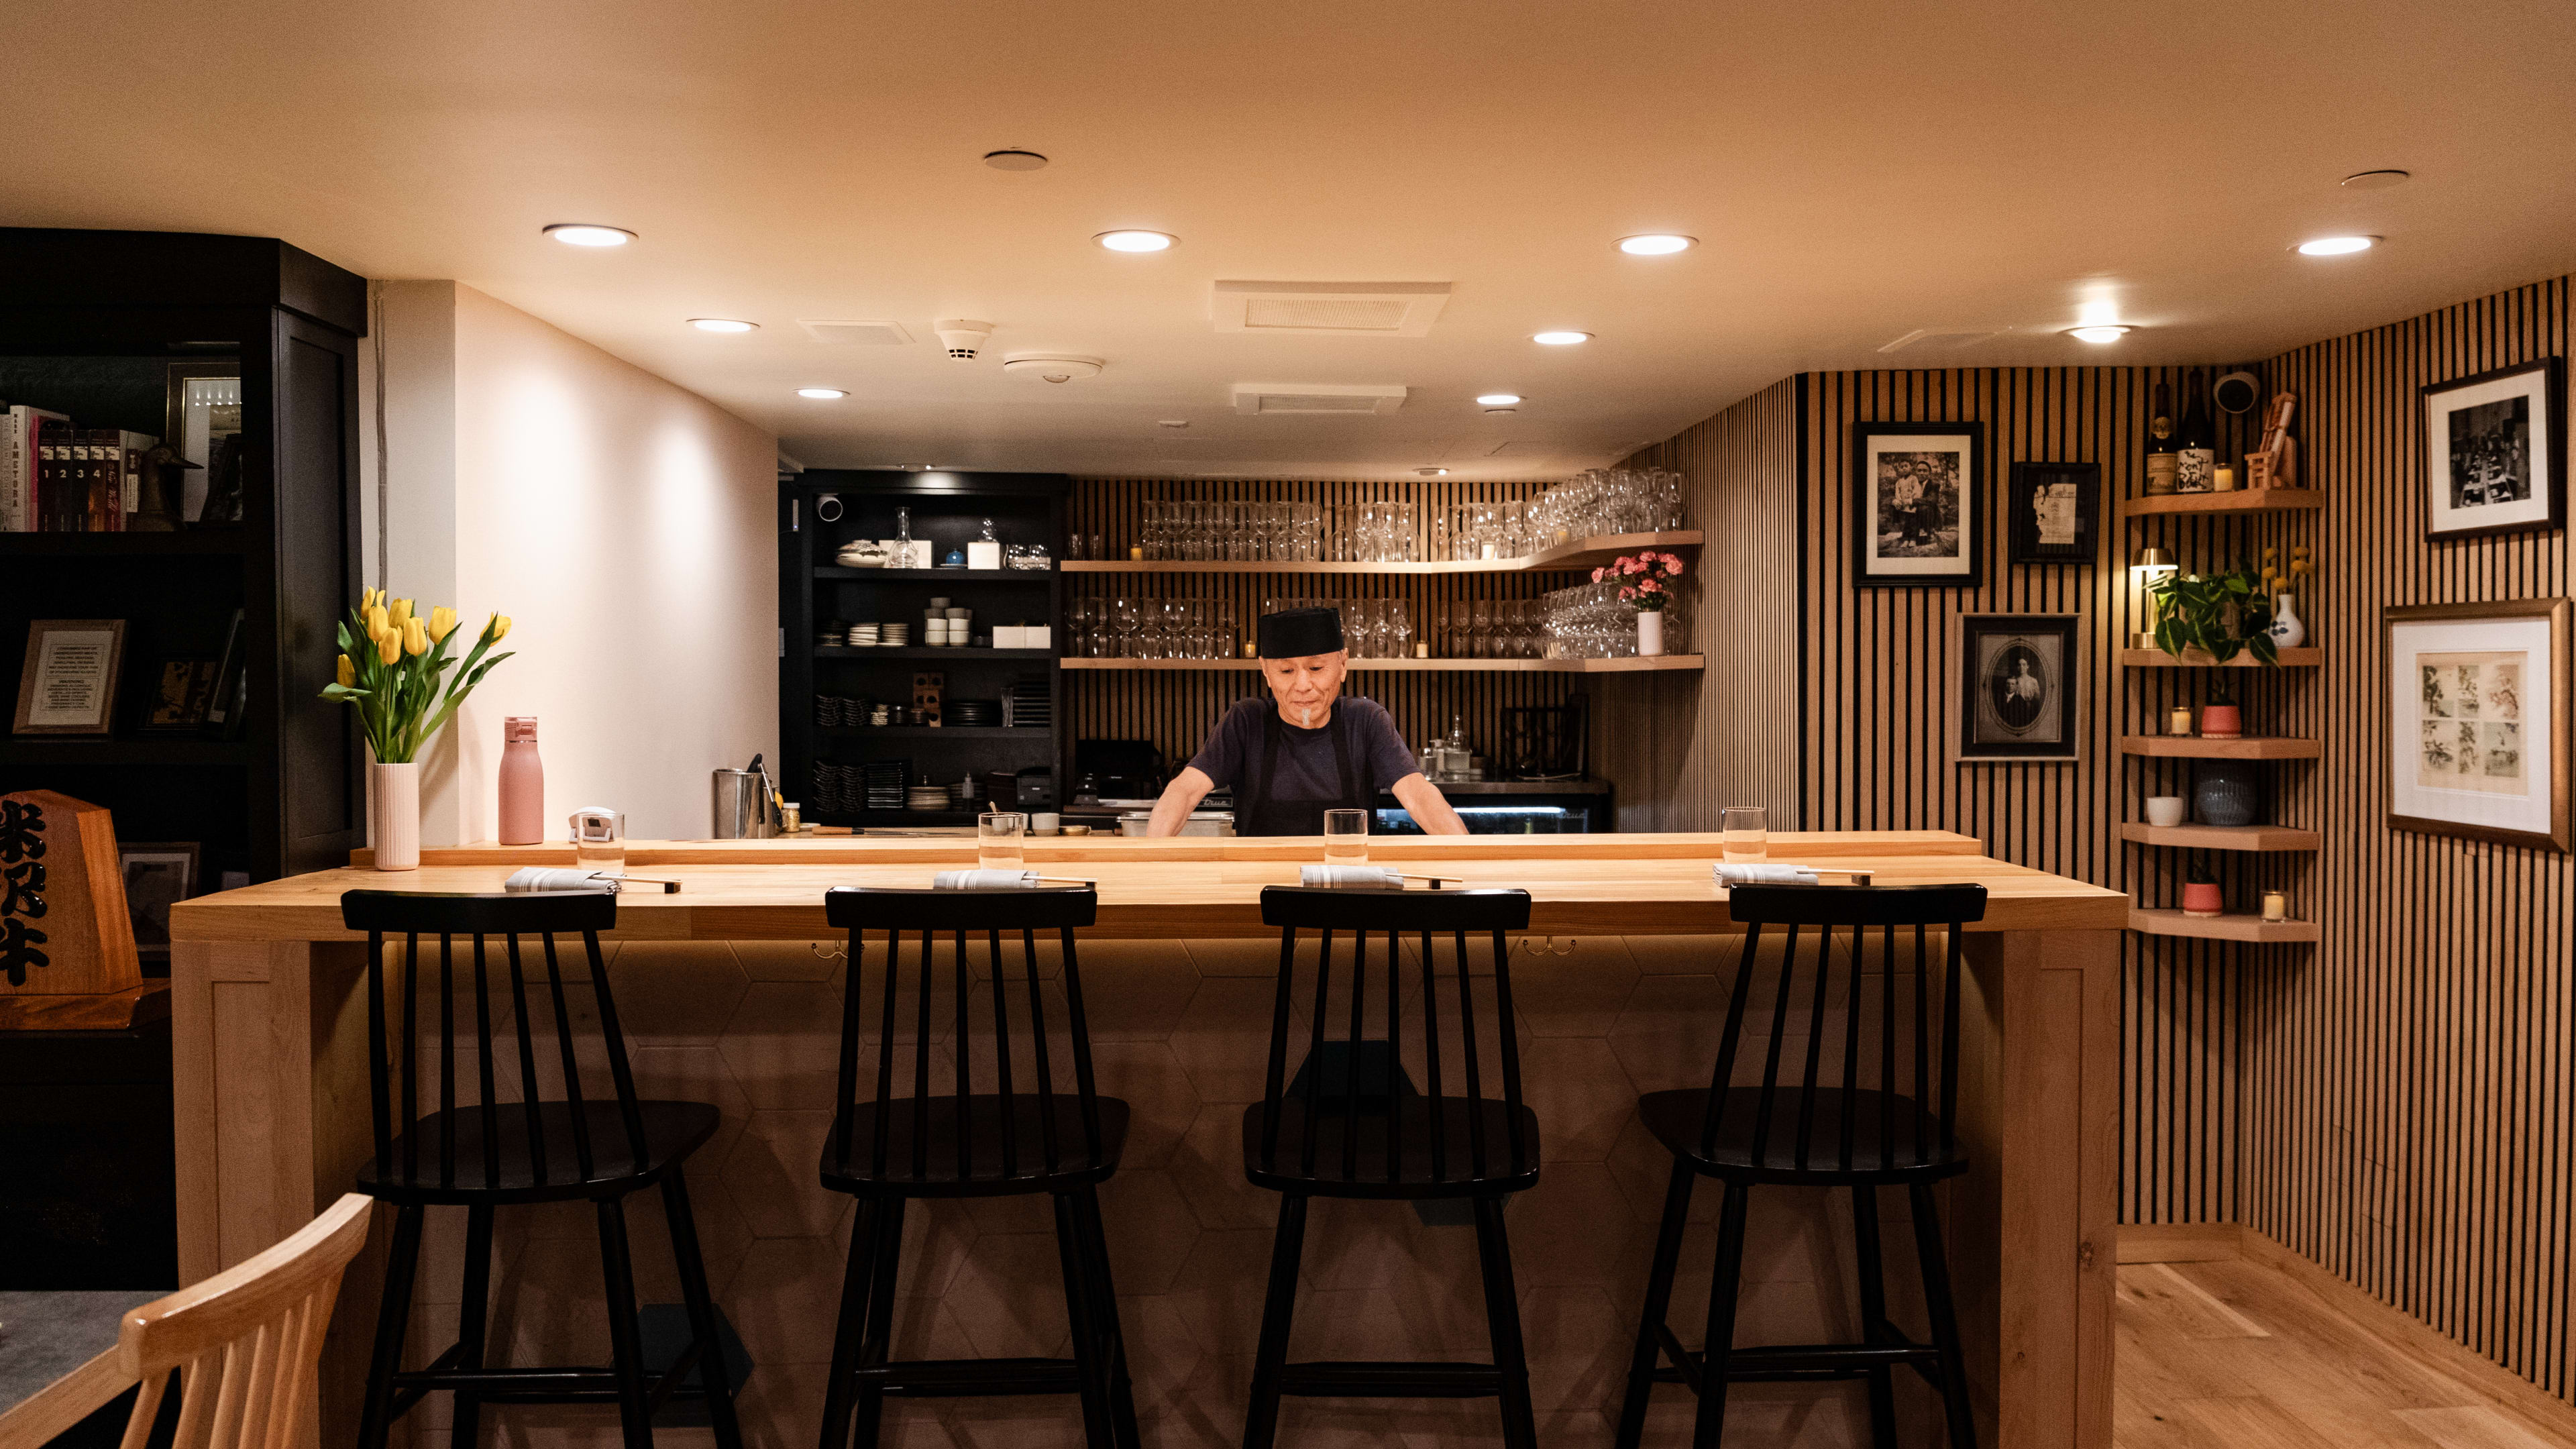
(625, 525)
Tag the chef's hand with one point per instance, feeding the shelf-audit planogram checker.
(1429, 808)
(1179, 798)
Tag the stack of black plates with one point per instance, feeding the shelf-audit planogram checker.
(973, 713)
(828, 796)
(1028, 704)
(883, 783)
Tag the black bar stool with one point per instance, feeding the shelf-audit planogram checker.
(536, 1149)
(946, 1139)
(1351, 1125)
(1818, 1124)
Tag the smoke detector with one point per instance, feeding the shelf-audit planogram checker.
(962, 336)
(1051, 366)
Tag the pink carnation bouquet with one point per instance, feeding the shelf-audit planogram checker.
(1641, 578)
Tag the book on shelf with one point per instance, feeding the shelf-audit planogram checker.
(23, 432)
(57, 478)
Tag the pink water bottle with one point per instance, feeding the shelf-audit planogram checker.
(523, 783)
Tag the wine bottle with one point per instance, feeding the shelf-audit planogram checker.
(2196, 462)
(2161, 459)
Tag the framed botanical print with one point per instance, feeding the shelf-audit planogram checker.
(2055, 511)
(2495, 451)
(2017, 675)
(1918, 504)
(2477, 720)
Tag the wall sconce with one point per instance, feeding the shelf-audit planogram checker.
(2151, 562)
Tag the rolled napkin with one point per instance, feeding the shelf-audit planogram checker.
(1350, 877)
(540, 878)
(1735, 875)
(985, 880)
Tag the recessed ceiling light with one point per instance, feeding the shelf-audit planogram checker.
(1014, 159)
(1560, 339)
(722, 324)
(822, 394)
(2376, 180)
(1498, 399)
(2099, 332)
(2336, 246)
(1656, 244)
(583, 234)
(1431, 472)
(1136, 241)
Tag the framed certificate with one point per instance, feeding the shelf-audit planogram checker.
(68, 684)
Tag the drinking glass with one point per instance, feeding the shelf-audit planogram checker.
(998, 839)
(1743, 835)
(1400, 625)
(1346, 837)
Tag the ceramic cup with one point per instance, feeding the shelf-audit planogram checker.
(1044, 822)
(2164, 810)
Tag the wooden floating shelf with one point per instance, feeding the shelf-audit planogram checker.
(1422, 666)
(2251, 747)
(2222, 837)
(2195, 659)
(2254, 500)
(2255, 929)
(1581, 554)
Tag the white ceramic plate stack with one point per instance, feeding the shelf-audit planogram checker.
(894, 636)
(863, 636)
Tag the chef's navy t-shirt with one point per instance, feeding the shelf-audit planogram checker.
(1233, 751)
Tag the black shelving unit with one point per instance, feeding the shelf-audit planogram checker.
(946, 509)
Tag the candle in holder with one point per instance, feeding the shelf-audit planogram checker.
(2276, 906)
(2225, 479)
(2180, 723)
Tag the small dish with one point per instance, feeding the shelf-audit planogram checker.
(1077, 830)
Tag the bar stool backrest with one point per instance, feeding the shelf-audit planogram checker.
(393, 1070)
(1387, 917)
(873, 1015)
(1870, 1061)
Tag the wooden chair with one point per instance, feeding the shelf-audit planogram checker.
(569, 1147)
(1350, 1125)
(1035, 1123)
(244, 1342)
(1868, 1121)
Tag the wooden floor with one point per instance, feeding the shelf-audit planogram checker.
(2238, 1353)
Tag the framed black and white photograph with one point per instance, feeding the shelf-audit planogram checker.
(2055, 512)
(157, 877)
(2495, 451)
(2017, 687)
(2477, 720)
(1918, 504)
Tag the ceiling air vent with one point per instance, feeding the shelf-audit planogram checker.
(1943, 339)
(869, 334)
(1331, 309)
(1266, 398)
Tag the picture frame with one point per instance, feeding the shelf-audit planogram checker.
(2018, 675)
(157, 877)
(183, 690)
(1918, 505)
(67, 686)
(2478, 712)
(2056, 513)
(202, 415)
(2495, 451)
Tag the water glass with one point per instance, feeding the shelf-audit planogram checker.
(998, 839)
(1743, 834)
(1346, 837)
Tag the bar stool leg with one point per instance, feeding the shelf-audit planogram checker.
(713, 1372)
(1503, 1322)
(393, 1315)
(1719, 1346)
(1659, 1302)
(625, 1339)
(869, 1407)
(847, 1332)
(1122, 1393)
(1944, 1312)
(473, 1313)
(1082, 1312)
(1278, 1305)
(1873, 1312)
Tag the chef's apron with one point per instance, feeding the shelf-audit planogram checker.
(1258, 812)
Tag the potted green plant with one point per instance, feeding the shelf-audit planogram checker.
(2217, 614)
(2220, 719)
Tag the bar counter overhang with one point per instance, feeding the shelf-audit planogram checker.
(267, 1001)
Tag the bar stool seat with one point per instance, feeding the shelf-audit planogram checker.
(1893, 1142)
(986, 1173)
(532, 1166)
(1420, 1173)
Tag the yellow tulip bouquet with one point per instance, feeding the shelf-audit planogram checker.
(394, 678)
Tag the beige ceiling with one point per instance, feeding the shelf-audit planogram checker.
(1855, 171)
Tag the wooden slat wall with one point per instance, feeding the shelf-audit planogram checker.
(2408, 1095)
(1175, 710)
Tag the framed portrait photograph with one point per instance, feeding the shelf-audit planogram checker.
(2495, 451)
(2477, 720)
(68, 683)
(157, 877)
(2017, 681)
(2055, 511)
(1919, 500)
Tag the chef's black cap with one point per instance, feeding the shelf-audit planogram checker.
(1294, 633)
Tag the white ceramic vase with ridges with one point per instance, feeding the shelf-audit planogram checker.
(1650, 634)
(393, 815)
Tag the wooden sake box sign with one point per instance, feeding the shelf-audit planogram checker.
(66, 942)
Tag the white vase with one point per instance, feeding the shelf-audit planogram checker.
(393, 815)
(1650, 634)
(2288, 631)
